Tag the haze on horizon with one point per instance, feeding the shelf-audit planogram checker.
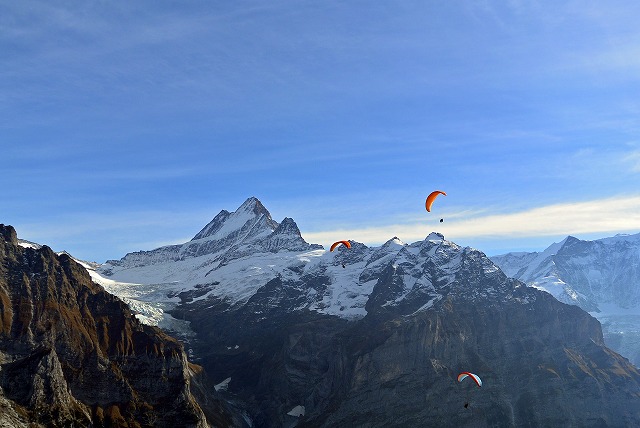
(126, 126)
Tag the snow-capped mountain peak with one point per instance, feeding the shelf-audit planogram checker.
(578, 272)
(245, 218)
(249, 230)
(394, 242)
(228, 233)
(287, 227)
(600, 276)
(435, 238)
(287, 237)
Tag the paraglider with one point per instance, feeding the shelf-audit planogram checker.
(335, 244)
(462, 376)
(432, 197)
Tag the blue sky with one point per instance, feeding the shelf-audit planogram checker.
(129, 125)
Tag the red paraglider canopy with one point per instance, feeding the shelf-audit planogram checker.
(335, 244)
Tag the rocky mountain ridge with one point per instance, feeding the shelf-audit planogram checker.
(247, 230)
(600, 276)
(73, 355)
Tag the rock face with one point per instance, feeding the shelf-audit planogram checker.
(72, 354)
(601, 276)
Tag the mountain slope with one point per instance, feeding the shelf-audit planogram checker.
(601, 276)
(435, 309)
(72, 354)
(201, 263)
(376, 336)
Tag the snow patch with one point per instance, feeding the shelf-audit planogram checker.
(435, 238)
(222, 386)
(296, 411)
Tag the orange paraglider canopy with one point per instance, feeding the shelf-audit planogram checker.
(335, 244)
(432, 197)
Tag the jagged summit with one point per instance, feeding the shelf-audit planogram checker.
(395, 242)
(245, 217)
(435, 237)
(571, 238)
(8, 233)
(230, 235)
(287, 226)
(287, 237)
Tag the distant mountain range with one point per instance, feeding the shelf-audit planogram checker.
(601, 276)
(373, 336)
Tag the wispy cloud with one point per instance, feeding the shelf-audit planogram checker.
(610, 215)
(633, 159)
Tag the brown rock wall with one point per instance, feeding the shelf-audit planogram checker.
(73, 353)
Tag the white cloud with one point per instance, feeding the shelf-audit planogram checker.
(610, 215)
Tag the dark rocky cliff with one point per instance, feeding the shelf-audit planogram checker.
(73, 355)
(541, 366)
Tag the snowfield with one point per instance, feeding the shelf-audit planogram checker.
(601, 276)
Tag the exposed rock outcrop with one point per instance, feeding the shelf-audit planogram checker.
(70, 353)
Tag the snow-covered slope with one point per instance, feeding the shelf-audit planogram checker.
(601, 276)
(231, 257)
(28, 244)
(237, 254)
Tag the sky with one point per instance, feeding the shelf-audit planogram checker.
(125, 125)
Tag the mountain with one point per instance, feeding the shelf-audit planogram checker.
(246, 246)
(375, 336)
(245, 231)
(73, 355)
(601, 276)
